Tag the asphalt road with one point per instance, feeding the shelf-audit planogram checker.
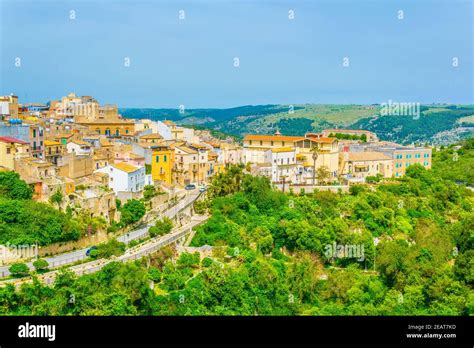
(140, 232)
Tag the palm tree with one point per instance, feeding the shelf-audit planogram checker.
(315, 152)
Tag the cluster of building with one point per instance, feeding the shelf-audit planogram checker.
(92, 154)
(321, 158)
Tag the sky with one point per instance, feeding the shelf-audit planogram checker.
(137, 53)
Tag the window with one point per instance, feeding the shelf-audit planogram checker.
(117, 132)
(97, 130)
(272, 142)
(164, 158)
(8, 150)
(126, 131)
(407, 164)
(34, 145)
(157, 159)
(34, 133)
(261, 143)
(250, 142)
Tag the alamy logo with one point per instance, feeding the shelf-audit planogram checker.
(37, 331)
(341, 251)
(400, 109)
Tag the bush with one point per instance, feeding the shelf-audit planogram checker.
(154, 274)
(149, 192)
(207, 262)
(40, 265)
(13, 187)
(187, 260)
(161, 227)
(111, 248)
(19, 270)
(132, 211)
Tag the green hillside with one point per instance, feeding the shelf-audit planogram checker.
(439, 124)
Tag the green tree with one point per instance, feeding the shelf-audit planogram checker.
(57, 197)
(132, 211)
(161, 227)
(40, 265)
(149, 192)
(13, 187)
(322, 173)
(19, 270)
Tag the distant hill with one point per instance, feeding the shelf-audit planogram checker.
(442, 124)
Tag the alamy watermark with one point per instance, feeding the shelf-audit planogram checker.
(341, 251)
(392, 108)
(21, 251)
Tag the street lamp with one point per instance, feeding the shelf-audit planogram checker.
(376, 241)
(315, 151)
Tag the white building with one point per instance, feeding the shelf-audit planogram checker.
(162, 129)
(124, 177)
(80, 148)
(283, 164)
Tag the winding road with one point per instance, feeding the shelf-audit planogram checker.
(138, 233)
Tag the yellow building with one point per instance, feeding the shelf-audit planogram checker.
(153, 138)
(53, 150)
(162, 163)
(111, 128)
(11, 149)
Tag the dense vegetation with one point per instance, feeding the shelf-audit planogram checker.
(24, 221)
(456, 162)
(408, 129)
(440, 124)
(344, 136)
(270, 257)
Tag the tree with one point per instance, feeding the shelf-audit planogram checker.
(19, 270)
(322, 174)
(57, 198)
(40, 265)
(315, 152)
(161, 227)
(149, 192)
(132, 211)
(154, 274)
(13, 187)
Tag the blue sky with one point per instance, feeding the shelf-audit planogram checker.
(282, 61)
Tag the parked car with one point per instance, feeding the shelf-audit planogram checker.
(202, 188)
(190, 187)
(88, 251)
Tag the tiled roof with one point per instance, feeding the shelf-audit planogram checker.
(12, 140)
(368, 156)
(126, 167)
(283, 149)
(272, 138)
(51, 143)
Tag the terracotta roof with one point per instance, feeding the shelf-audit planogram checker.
(63, 135)
(51, 143)
(151, 136)
(80, 142)
(186, 149)
(368, 156)
(272, 138)
(126, 167)
(319, 139)
(283, 149)
(12, 140)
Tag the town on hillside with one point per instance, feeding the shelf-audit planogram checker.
(91, 154)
